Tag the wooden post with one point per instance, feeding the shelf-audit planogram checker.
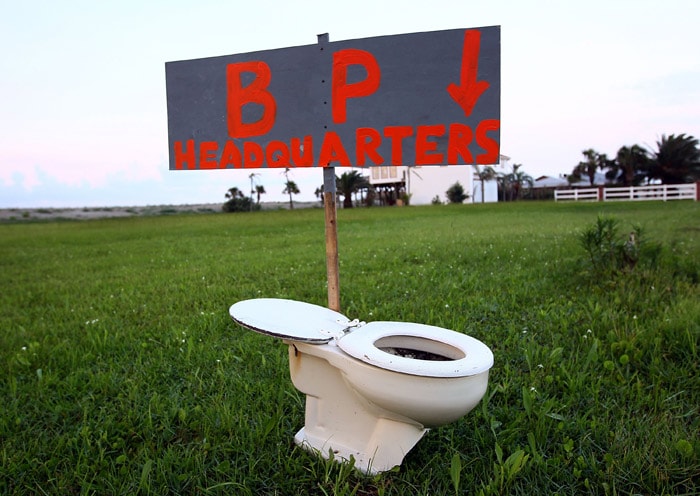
(329, 200)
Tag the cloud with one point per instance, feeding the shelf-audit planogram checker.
(27, 178)
(138, 184)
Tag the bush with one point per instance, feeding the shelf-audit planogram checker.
(455, 193)
(609, 252)
(240, 204)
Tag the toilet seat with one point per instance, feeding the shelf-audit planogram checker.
(289, 319)
(360, 344)
(308, 323)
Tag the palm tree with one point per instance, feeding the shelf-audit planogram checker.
(518, 179)
(234, 193)
(630, 164)
(503, 183)
(593, 162)
(252, 176)
(349, 183)
(259, 190)
(291, 188)
(677, 160)
(488, 173)
(319, 193)
(237, 201)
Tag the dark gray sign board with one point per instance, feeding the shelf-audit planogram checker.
(413, 99)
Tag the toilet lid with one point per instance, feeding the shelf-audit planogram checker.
(289, 319)
(360, 344)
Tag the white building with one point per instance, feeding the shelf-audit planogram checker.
(424, 183)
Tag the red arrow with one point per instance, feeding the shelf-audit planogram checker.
(469, 89)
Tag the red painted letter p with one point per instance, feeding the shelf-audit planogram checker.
(342, 90)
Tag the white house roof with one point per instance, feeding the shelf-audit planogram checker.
(550, 182)
(598, 180)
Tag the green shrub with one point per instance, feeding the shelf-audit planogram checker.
(611, 252)
(455, 193)
(240, 204)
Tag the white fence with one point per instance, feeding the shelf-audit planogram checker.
(661, 192)
(589, 194)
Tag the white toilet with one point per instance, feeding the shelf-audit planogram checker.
(372, 389)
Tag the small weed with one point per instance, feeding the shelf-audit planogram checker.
(609, 252)
(505, 471)
(456, 471)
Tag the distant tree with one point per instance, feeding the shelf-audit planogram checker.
(488, 173)
(503, 185)
(252, 189)
(237, 201)
(290, 188)
(590, 166)
(455, 193)
(518, 179)
(234, 193)
(629, 167)
(259, 190)
(676, 160)
(348, 184)
(319, 193)
(513, 182)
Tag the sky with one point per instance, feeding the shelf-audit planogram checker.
(83, 114)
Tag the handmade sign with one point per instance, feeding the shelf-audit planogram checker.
(416, 99)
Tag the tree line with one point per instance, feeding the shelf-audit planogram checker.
(237, 201)
(348, 184)
(676, 160)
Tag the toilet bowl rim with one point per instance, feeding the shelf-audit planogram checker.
(360, 344)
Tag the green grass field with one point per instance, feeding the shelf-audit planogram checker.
(122, 372)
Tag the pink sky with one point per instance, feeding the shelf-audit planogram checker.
(83, 87)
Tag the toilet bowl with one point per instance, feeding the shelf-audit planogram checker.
(372, 389)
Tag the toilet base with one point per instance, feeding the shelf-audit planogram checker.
(384, 448)
(341, 424)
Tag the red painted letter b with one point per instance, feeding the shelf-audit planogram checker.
(256, 92)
